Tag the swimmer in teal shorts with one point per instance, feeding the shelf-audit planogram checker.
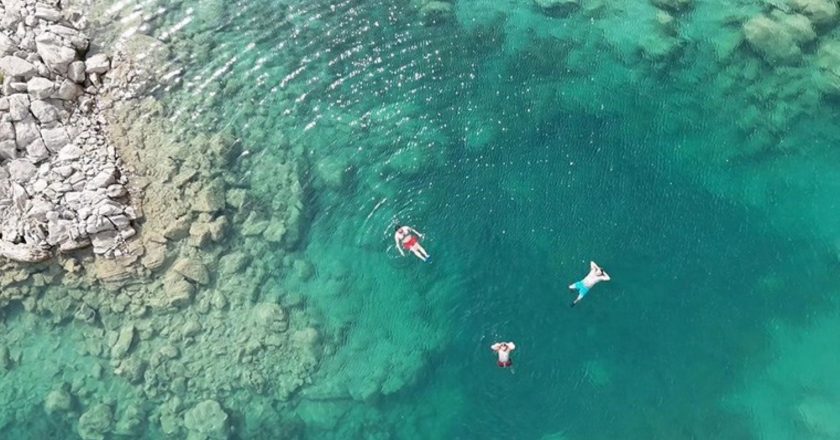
(595, 276)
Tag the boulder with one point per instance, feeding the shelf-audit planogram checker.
(7, 131)
(207, 420)
(54, 54)
(435, 11)
(19, 107)
(233, 263)
(820, 12)
(96, 422)
(26, 131)
(68, 90)
(22, 170)
(7, 46)
(778, 39)
(192, 269)
(178, 292)
(40, 88)
(557, 8)
(43, 111)
(14, 66)
(269, 317)
(98, 63)
(37, 151)
(104, 178)
(828, 61)
(8, 150)
(123, 342)
(55, 138)
(58, 401)
(210, 199)
(47, 13)
(155, 256)
(673, 5)
(275, 231)
(110, 271)
(76, 71)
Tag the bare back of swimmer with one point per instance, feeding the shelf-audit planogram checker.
(408, 238)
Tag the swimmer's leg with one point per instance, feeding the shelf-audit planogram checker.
(577, 300)
(573, 286)
(417, 252)
(423, 251)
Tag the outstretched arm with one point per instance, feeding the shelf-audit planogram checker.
(415, 231)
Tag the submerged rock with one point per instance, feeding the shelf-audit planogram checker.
(207, 420)
(58, 401)
(192, 270)
(673, 5)
(124, 342)
(434, 12)
(820, 12)
(778, 39)
(96, 422)
(558, 8)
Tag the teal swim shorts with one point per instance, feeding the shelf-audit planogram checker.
(581, 288)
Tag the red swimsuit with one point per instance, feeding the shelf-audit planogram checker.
(412, 240)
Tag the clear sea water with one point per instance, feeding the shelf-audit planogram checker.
(525, 146)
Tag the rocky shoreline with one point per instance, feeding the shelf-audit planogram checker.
(121, 231)
(62, 185)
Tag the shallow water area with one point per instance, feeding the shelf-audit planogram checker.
(523, 143)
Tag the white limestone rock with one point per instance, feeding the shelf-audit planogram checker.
(47, 13)
(37, 151)
(55, 55)
(19, 107)
(55, 138)
(7, 46)
(103, 179)
(70, 152)
(40, 88)
(8, 150)
(13, 66)
(68, 90)
(22, 170)
(98, 63)
(7, 131)
(26, 132)
(76, 71)
(43, 111)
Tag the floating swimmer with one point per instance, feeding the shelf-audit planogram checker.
(595, 276)
(409, 239)
(503, 349)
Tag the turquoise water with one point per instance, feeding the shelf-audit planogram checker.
(524, 146)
